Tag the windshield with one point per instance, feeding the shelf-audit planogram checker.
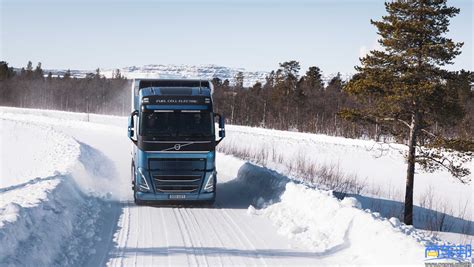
(177, 124)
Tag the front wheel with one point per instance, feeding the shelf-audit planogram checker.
(134, 188)
(135, 199)
(209, 203)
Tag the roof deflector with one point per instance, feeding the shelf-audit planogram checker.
(173, 83)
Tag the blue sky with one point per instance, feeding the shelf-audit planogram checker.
(253, 34)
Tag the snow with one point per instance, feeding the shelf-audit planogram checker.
(175, 72)
(378, 166)
(43, 152)
(335, 229)
(43, 219)
(78, 210)
(319, 221)
(171, 71)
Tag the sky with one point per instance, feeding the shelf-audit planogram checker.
(253, 34)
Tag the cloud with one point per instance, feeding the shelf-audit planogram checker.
(365, 49)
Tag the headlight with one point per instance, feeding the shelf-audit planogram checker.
(209, 187)
(143, 184)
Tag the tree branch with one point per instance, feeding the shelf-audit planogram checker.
(396, 119)
(429, 133)
(456, 171)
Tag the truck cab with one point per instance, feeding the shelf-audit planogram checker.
(172, 129)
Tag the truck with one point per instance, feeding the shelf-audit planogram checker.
(172, 127)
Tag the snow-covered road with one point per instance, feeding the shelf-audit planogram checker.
(172, 236)
(81, 211)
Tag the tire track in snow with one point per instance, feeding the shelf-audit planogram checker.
(136, 258)
(167, 242)
(129, 216)
(251, 231)
(242, 234)
(228, 228)
(150, 236)
(185, 236)
(204, 214)
(197, 237)
(224, 229)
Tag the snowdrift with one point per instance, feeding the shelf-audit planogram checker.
(319, 221)
(46, 220)
(28, 151)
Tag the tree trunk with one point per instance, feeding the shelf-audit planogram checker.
(408, 215)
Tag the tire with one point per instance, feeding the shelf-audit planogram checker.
(132, 176)
(134, 188)
(136, 200)
(209, 203)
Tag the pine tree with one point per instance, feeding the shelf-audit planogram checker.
(29, 66)
(239, 80)
(116, 74)
(216, 82)
(286, 80)
(403, 88)
(97, 73)
(29, 70)
(313, 81)
(461, 82)
(335, 84)
(5, 71)
(226, 84)
(38, 73)
(67, 75)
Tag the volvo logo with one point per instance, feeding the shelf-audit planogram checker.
(177, 147)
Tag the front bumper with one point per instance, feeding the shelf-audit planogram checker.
(152, 197)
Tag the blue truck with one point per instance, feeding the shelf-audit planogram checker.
(172, 128)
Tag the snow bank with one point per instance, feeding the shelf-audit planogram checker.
(43, 221)
(96, 177)
(28, 151)
(319, 221)
(46, 220)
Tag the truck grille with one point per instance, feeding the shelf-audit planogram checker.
(177, 175)
(177, 183)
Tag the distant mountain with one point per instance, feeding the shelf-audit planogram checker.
(183, 71)
(187, 71)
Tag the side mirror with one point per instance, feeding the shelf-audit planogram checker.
(221, 128)
(221, 121)
(131, 125)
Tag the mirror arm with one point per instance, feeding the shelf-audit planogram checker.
(133, 114)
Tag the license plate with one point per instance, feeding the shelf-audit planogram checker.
(177, 196)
